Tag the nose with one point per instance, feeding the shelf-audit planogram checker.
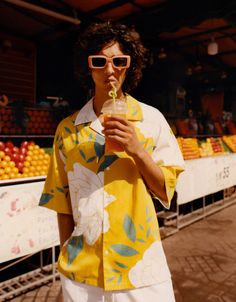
(109, 69)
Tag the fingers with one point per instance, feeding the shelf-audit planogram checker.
(116, 118)
(114, 131)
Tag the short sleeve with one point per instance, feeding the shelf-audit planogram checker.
(55, 194)
(168, 157)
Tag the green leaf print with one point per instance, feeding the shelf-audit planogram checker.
(122, 265)
(99, 146)
(90, 137)
(124, 250)
(116, 270)
(45, 198)
(120, 279)
(141, 227)
(129, 228)
(99, 150)
(68, 130)
(76, 141)
(110, 279)
(149, 219)
(74, 247)
(91, 159)
(109, 159)
(60, 189)
(82, 154)
(56, 138)
(148, 232)
(140, 240)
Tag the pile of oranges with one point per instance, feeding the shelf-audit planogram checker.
(28, 160)
(36, 162)
(37, 121)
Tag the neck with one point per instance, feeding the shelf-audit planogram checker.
(100, 97)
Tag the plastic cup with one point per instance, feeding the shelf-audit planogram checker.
(109, 109)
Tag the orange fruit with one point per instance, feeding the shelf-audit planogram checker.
(35, 157)
(26, 170)
(30, 153)
(12, 164)
(41, 151)
(31, 168)
(15, 170)
(3, 164)
(2, 154)
(12, 175)
(28, 158)
(31, 147)
(7, 170)
(26, 163)
(7, 158)
(34, 162)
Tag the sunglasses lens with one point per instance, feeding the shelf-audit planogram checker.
(98, 62)
(120, 62)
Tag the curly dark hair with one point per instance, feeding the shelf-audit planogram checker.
(98, 35)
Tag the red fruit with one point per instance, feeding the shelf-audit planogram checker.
(15, 149)
(9, 144)
(21, 157)
(24, 144)
(8, 151)
(23, 150)
(2, 146)
(15, 157)
(20, 166)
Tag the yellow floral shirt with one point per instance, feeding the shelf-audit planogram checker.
(116, 242)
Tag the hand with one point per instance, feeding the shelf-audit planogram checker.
(120, 130)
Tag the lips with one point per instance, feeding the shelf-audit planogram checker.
(110, 80)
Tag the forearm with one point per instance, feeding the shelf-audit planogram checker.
(65, 225)
(151, 173)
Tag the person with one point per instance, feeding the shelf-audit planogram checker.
(110, 242)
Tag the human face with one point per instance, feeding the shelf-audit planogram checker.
(105, 77)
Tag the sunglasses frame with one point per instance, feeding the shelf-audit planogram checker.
(108, 59)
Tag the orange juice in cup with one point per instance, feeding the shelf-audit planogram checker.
(113, 107)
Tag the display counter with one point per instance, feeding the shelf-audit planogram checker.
(26, 228)
(204, 176)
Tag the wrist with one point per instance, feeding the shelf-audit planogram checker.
(140, 154)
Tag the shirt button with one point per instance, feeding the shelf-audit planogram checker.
(108, 168)
(106, 252)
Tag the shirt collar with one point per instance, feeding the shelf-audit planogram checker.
(87, 114)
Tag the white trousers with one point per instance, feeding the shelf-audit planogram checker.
(79, 292)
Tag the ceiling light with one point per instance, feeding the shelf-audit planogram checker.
(189, 71)
(224, 75)
(162, 54)
(212, 48)
(198, 67)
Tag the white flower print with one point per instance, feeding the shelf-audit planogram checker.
(145, 128)
(88, 200)
(151, 268)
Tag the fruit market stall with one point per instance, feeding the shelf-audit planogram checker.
(28, 229)
(25, 228)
